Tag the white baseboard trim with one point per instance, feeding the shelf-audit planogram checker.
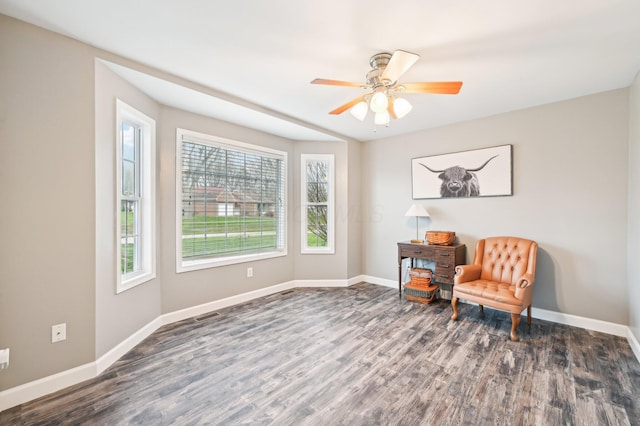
(205, 308)
(380, 281)
(582, 322)
(118, 351)
(46, 385)
(633, 342)
(321, 283)
(355, 280)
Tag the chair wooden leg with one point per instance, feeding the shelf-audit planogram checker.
(515, 322)
(481, 308)
(529, 314)
(454, 305)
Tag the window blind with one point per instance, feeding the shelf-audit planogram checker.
(232, 200)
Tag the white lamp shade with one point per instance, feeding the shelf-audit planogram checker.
(379, 102)
(401, 107)
(382, 118)
(359, 111)
(417, 210)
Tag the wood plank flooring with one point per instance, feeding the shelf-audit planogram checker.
(354, 356)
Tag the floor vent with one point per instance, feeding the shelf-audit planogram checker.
(207, 316)
(287, 292)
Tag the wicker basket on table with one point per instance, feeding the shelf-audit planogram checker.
(443, 238)
(420, 289)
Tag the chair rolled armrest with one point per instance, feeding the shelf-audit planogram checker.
(525, 281)
(466, 273)
(524, 286)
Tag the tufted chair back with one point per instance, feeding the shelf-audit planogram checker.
(505, 259)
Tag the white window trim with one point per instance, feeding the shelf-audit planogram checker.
(197, 264)
(330, 248)
(148, 197)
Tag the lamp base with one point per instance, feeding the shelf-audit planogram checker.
(417, 241)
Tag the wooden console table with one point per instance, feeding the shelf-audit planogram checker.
(445, 257)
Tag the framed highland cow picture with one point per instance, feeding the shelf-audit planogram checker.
(478, 173)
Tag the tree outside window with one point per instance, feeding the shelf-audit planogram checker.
(317, 206)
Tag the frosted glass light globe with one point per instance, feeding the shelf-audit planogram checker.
(382, 118)
(359, 111)
(379, 102)
(401, 107)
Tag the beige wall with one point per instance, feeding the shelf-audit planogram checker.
(118, 316)
(353, 211)
(47, 212)
(633, 265)
(570, 191)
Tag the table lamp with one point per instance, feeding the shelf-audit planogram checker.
(417, 210)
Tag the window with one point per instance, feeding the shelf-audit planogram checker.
(135, 159)
(231, 201)
(317, 203)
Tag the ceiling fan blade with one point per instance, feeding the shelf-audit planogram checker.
(441, 87)
(392, 112)
(336, 82)
(343, 108)
(399, 63)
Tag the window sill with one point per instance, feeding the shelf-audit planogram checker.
(195, 265)
(318, 251)
(134, 280)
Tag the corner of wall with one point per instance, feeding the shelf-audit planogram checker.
(633, 223)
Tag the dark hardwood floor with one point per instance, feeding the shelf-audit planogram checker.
(355, 356)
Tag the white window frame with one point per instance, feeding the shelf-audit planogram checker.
(213, 262)
(329, 159)
(147, 213)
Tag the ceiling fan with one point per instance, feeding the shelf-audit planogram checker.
(383, 88)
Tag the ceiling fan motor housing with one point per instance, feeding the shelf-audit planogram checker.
(379, 63)
(380, 60)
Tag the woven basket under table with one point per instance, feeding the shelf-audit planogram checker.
(420, 289)
(421, 276)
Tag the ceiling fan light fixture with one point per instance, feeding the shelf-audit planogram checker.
(378, 102)
(359, 110)
(382, 118)
(401, 107)
(383, 86)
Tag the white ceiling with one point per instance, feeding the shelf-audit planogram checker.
(261, 55)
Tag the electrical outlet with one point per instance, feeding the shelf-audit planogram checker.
(4, 358)
(249, 272)
(58, 332)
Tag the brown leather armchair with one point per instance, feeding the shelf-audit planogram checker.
(501, 276)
